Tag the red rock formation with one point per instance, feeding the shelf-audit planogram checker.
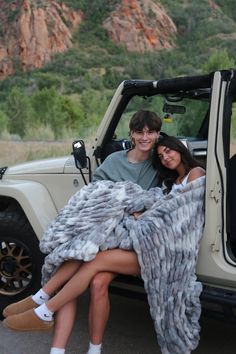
(33, 31)
(36, 33)
(141, 25)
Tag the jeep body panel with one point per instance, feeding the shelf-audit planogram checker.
(42, 188)
(55, 165)
(41, 211)
(58, 177)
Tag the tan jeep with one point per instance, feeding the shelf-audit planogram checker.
(200, 110)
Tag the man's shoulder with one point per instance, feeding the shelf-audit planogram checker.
(116, 155)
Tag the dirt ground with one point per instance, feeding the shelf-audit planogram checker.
(130, 331)
(14, 152)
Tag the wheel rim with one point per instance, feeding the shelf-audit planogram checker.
(15, 268)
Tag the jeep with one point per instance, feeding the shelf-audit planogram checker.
(199, 110)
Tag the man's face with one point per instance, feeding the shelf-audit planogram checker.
(144, 139)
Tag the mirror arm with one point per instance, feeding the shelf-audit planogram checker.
(89, 169)
(82, 174)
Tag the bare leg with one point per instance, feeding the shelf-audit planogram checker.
(63, 274)
(117, 261)
(65, 318)
(99, 308)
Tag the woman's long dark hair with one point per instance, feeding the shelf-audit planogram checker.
(165, 174)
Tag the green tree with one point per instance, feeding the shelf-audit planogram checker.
(73, 111)
(94, 105)
(4, 122)
(48, 109)
(219, 60)
(19, 110)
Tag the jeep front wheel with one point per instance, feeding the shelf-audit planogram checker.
(20, 258)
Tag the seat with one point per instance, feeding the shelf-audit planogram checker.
(113, 146)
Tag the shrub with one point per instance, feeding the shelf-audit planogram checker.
(19, 110)
(4, 122)
(218, 60)
(39, 133)
(48, 110)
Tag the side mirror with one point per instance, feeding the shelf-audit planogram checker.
(79, 153)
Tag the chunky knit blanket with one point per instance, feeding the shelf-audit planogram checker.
(165, 237)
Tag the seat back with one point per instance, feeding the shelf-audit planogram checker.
(113, 146)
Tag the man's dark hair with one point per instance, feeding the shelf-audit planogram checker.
(142, 118)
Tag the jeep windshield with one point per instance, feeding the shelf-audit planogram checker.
(184, 117)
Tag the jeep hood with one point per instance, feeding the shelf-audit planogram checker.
(45, 166)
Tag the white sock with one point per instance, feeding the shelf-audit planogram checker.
(40, 297)
(55, 350)
(94, 348)
(44, 313)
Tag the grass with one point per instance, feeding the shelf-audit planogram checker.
(14, 152)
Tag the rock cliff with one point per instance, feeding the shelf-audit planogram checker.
(141, 25)
(32, 32)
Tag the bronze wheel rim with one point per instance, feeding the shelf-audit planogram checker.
(15, 268)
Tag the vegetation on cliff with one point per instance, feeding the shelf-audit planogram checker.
(68, 95)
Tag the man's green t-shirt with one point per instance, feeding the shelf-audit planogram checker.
(116, 167)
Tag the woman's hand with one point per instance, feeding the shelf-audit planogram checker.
(137, 214)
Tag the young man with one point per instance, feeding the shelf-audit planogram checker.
(133, 165)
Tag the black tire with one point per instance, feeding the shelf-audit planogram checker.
(20, 258)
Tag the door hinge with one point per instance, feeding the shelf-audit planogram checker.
(216, 192)
(215, 246)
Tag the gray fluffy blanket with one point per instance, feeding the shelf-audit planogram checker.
(166, 239)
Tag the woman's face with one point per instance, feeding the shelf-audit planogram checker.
(144, 139)
(169, 158)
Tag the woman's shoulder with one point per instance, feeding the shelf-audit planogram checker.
(195, 173)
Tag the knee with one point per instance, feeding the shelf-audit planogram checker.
(99, 285)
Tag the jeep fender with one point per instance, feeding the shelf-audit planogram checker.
(34, 200)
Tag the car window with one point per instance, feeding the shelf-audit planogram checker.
(186, 124)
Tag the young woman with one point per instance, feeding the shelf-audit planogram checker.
(175, 165)
(176, 168)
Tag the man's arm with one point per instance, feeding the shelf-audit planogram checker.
(102, 172)
(110, 168)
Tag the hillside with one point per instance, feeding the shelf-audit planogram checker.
(60, 61)
(32, 35)
(33, 32)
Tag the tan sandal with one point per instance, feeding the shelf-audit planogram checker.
(19, 307)
(27, 321)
